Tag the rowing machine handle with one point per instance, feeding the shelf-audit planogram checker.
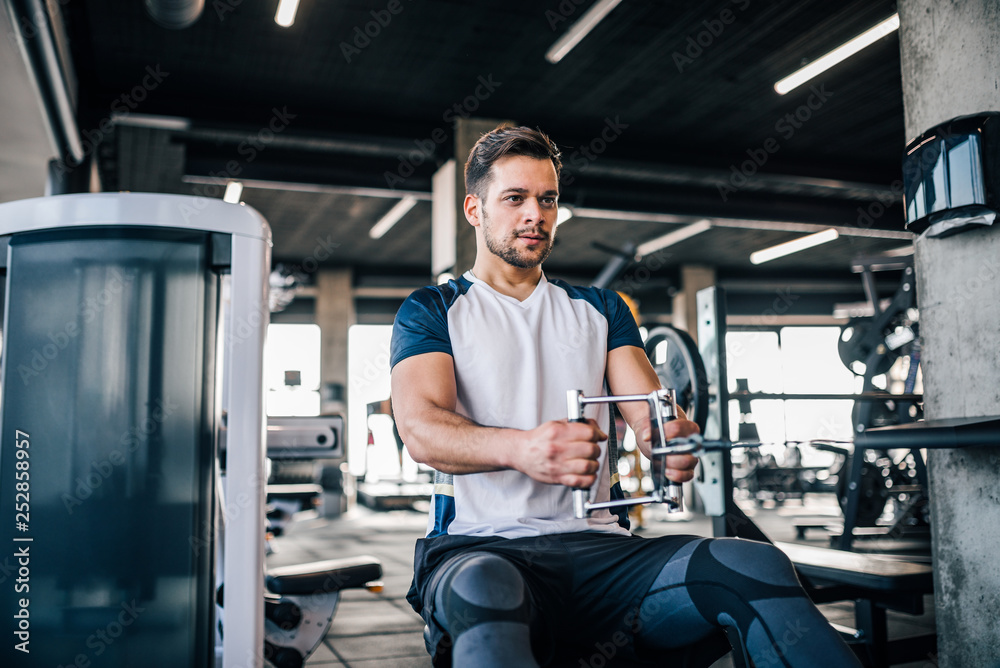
(574, 409)
(669, 492)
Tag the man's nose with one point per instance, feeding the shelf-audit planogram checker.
(532, 210)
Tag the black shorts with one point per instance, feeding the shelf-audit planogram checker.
(588, 586)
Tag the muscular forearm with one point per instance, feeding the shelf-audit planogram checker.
(556, 452)
(452, 443)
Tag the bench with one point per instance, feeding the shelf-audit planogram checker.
(876, 584)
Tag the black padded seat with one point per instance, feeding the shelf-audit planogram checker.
(324, 576)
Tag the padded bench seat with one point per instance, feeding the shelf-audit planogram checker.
(859, 570)
(324, 576)
(875, 584)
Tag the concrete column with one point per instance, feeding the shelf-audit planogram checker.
(444, 220)
(685, 307)
(951, 67)
(334, 315)
(467, 133)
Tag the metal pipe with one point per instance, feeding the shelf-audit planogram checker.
(33, 27)
(863, 396)
(608, 400)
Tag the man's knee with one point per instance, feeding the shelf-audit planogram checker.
(760, 561)
(478, 588)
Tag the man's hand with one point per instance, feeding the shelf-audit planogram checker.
(561, 453)
(680, 468)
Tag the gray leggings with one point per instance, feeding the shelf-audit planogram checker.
(484, 603)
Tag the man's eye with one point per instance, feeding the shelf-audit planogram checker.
(550, 201)
(514, 198)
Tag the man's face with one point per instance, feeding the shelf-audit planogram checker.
(518, 212)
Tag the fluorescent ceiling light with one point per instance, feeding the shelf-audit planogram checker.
(672, 238)
(842, 52)
(579, 30)
(285, 16)
(565, 213)
(794, 246)
(392, 217)
(234, 189)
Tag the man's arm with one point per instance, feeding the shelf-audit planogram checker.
(629, 372)
(424, 400)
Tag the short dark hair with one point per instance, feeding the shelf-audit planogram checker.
(502, 142)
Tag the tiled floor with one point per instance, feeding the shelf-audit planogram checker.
(379, 630)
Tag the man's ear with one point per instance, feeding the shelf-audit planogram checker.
(472, 211)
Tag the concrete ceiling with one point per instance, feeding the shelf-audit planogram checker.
(682, 89)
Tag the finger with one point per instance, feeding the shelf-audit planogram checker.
(601, 436)
(682, 462)
(577, 481)
(680, 475)
(680, 429)
(587, 431)
(587, 450)
(583, 466)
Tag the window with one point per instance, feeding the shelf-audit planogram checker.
(292, 369)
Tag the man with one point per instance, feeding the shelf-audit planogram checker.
(507, 576)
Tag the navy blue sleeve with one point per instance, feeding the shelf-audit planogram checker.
(622, 330)
(421, 326)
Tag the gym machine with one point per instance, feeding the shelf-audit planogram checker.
(134, 325)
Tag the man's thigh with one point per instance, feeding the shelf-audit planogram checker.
(586, 589)
(611, 576)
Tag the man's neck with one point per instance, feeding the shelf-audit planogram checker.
(507, 280)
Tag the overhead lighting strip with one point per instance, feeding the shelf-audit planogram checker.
(795, 246)
(285, 16)
(841, 53)
(672, 238)
(392, 216)
(579, 30)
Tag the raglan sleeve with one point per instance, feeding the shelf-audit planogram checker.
(622, 330)
(420, 326)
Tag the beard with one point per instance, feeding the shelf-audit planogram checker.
(505, 248)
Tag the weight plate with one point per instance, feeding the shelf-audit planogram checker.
(874, 492)
(682, 370)
(855, 346)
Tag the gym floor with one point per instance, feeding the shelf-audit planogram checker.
(380, 630)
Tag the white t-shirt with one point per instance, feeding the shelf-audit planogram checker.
(514, 363)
